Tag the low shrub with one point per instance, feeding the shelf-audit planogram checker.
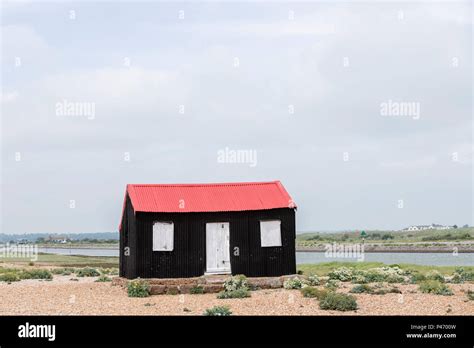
(103, 278)
(63, 271)
(294, 283)
(343, 274)
(391, 274)
(312, 292)
(332, 284)
(36, 274)
(114, 271)
(362, 288)
(338, 302)
(359, 278)
(138, 288)
(313, 280)
(383, 291)
(417, 278)
(235, 283)
(461, 275)
(239, 293)
(197, 290)
(218, 311)
(455, 279)
(87, 272)
(470, 295)
(9, 277)
(395, 279)
(108, 271)
(435, 287)
(435, 275)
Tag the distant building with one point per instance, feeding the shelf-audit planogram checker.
(58, 239)
(427, 227)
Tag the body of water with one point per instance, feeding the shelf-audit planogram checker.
(80, 251)
(434, 259)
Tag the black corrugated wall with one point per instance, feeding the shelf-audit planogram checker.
(188, 258)
(128, 239)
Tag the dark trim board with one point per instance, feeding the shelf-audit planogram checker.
(188, 258)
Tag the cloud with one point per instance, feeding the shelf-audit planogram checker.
(9, 97)
(282, 63)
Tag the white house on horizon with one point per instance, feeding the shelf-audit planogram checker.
(427, 227)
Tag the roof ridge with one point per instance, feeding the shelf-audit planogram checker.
(208, 197)
(275, 182)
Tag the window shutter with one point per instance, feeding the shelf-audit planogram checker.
(270, 233)
(163, 236)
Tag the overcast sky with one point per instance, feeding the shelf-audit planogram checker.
(300, 85)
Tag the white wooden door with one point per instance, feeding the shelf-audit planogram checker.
(217, 247)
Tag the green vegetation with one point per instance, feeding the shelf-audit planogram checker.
(67, 260)
(338, 302)
(109, 271)
(313, 292)
(293, 283)
(313, 280)
(374, 272)
(218, 311)
(470, 295)
(417, 278)
(447, 237)
(384, 291)
(323, 269)
(138, 288)
(235, 283)
(376, 290)
(239, 293)
(332, 284)
(41, 273)
(435, 275)
(87, 272)
(362, 288)
(36, 274)
(103, 278)
(435, 287)
(197, 290)
(16, 274)
(381, 237)
(462, 274)
(235, 287)
(9, 277)
(391, 274)
(62, 271)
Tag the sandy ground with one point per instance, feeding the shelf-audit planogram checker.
(63, 296)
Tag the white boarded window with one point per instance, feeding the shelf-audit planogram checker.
(163, 236)
(270, 233)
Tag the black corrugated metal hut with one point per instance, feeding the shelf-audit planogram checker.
(187, 230)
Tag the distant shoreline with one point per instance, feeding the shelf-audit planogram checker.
(92, 246)
(449, 248)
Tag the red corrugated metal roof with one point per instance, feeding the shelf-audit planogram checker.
(185, 198)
